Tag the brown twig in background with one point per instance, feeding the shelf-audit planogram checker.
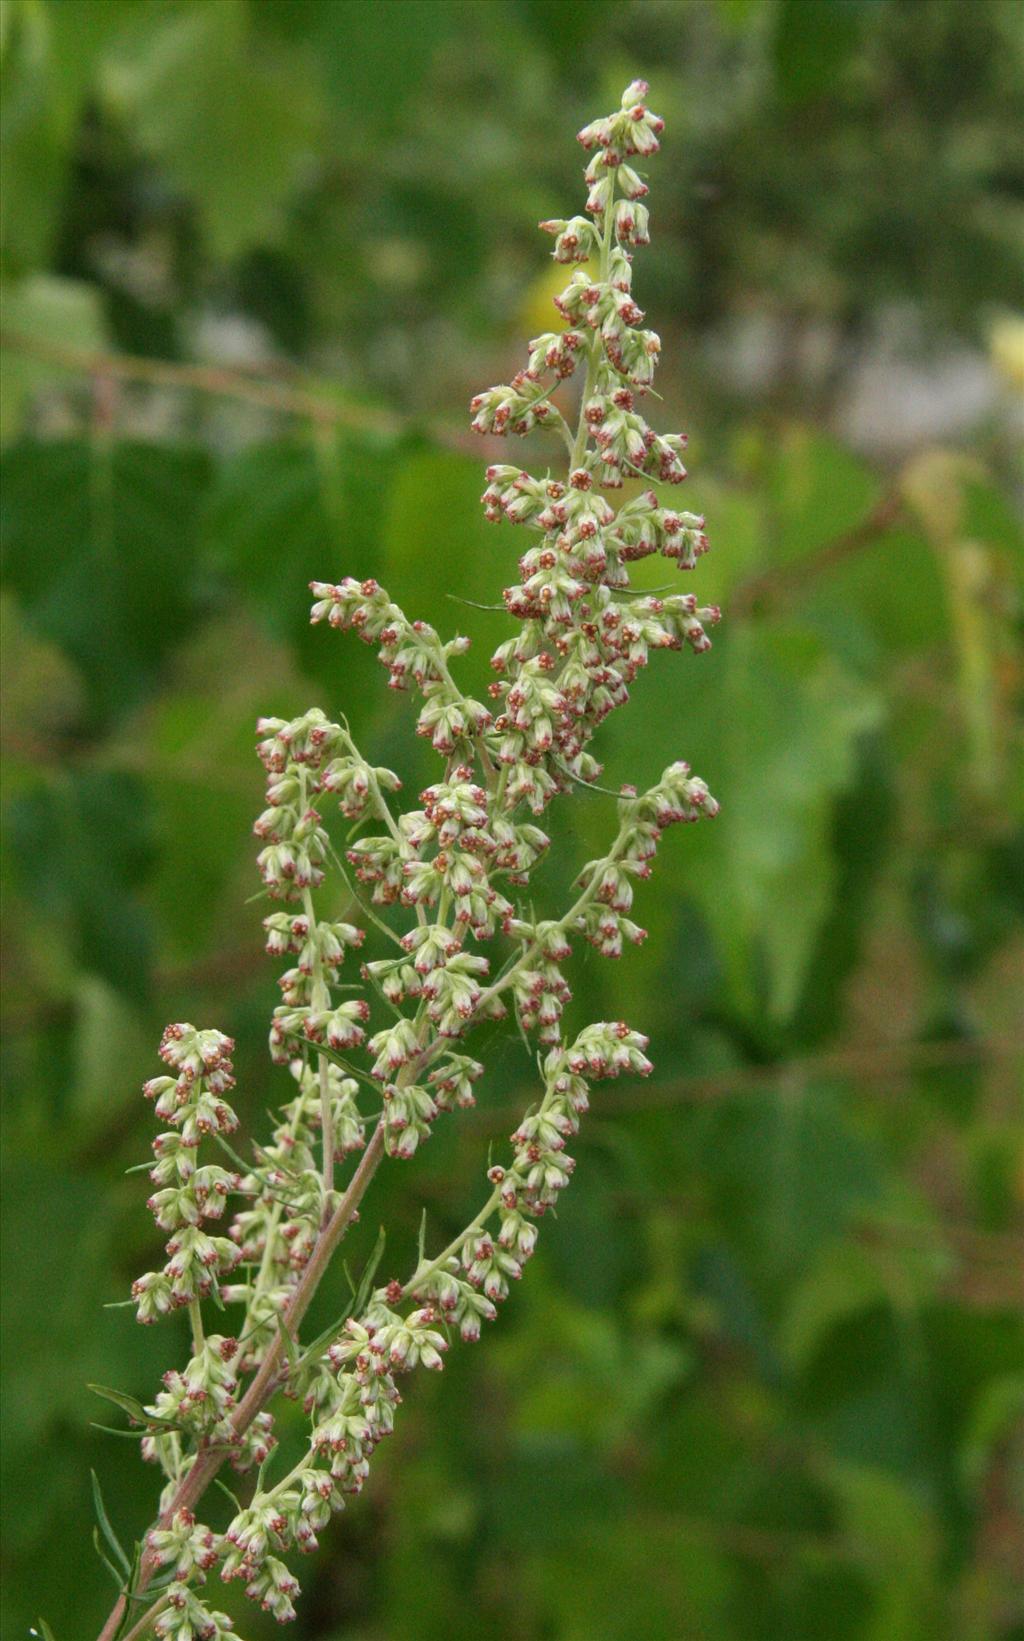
(227, 383)
(247, 387)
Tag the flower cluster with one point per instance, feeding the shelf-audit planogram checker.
(350, 1389)
(387, 1030)
(186, 1618)
(193, 1103)
(277, 1230)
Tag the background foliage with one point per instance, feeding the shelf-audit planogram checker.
(764, 1382)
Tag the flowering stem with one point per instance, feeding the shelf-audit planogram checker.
(486, 762)
(279, 1487)
(594, 347)
(566, 922)
(196, 1318)
(426, 1270)
(326, 1130)
(460, 861)
(326, 1118)
(422, 1272)
(266, 1263)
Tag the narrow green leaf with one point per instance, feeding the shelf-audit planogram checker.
(132, 1406)
(322, 1340)
(109, 1565)
(246, 1167)
(385, 999)
(366, 909)
(133, 1579)
(290, 1347)
(261, 1472)
(128, 1404)
(356, 1304)
(366, 1282)
(217, 1482)
(125, 1435)
(108, 1532)
(333, 1055)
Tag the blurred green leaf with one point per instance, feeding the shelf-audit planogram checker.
(787, 1173)
(793, 720)
(232, 119)
(41, 687)
(56, 1231)
(108, 1032)
(996, 1421)
(48, 56)
(786, 745)
(777, 739)
(841, 1281)
(267, 521)
(845, 1278)
(282, 514)
(203, 783)
(371, 67)
(624, 1382)
(813, 41)
(890, 590)
(565, 25)
(440, 548)
(92, 830)
(100, 546)
(816, 489)
(895, 1530)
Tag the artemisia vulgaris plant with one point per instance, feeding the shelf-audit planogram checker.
(442, 938)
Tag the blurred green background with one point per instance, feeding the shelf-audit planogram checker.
(765, 1379)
